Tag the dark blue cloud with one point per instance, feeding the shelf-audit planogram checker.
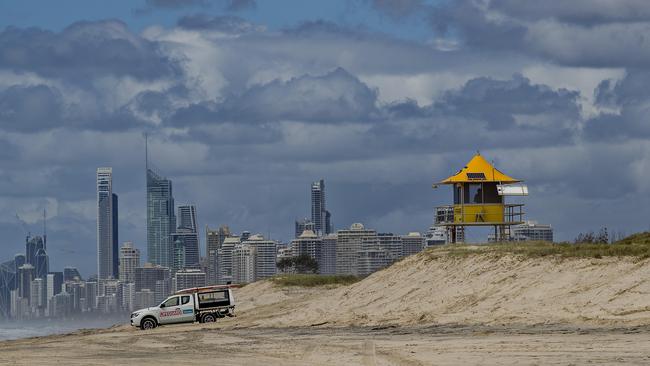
(84, 50)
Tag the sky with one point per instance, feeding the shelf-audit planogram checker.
(246, 102)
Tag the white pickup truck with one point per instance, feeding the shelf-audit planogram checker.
(202, 304)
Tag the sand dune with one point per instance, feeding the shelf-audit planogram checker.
(476, 289)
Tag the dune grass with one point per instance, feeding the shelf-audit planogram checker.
(637, 245)
(313, 280)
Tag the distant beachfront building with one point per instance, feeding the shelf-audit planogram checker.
(348, 245)
(302, 225)
(412, 243)
(152, 277)
(189, 278)
(307, 243)
(531, 230)
(327, 261)
(243, 263)
(266, 252)
(129, 261)
(392, 244)
(225, 260)
(213, 240)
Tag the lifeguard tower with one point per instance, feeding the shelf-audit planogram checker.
(479, 191)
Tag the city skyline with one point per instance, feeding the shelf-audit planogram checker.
(245, 106)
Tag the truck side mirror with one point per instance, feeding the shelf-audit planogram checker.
(162, 305)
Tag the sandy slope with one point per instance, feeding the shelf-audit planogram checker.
(443, 310)
(483, 289)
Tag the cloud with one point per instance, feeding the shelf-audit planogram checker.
(227, 5)
(585, 12)
(335, 97)
(223, 24)
(30, 108)
(84, 50)
(398, 9)
(576, 33)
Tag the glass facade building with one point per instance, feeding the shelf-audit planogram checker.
(161, 220)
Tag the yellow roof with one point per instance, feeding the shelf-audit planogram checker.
(479, 170)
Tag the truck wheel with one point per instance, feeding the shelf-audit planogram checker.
(148, 323)
(209, 318)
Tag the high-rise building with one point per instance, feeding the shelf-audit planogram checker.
(41, 264)
(225, 260)
(213, 241)
(7, 284)
(25, 277)
(374, 254)
(38, 291)
(243, 263)
(54, 283)
(308, 243)
(92, 290)
(71, 274)
(19, 260)
(302, 225)
(187, 217)
(187, 233)
(392, 244)
(128, 296)
(265, 253)
(105, 223)
(115, 251)
(319, 214)
(129, 261)
(188, 278)
(144, 299)
(412, 243)
(531, 230)
(178, 257)
(161, 220)
(327, 262)
(154, 278)
(348, 245)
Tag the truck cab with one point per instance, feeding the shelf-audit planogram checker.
(204, 304)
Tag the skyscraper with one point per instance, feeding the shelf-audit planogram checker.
(320, 217)
(129, 261)
(161, 221)
(187, 217)
(188, 236)
(302, 225)
(105, 223)
(116, 250)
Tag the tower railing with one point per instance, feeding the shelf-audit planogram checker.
(512, 214)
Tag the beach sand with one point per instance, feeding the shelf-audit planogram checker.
(426, 309)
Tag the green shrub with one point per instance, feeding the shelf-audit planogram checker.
(313, 280)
